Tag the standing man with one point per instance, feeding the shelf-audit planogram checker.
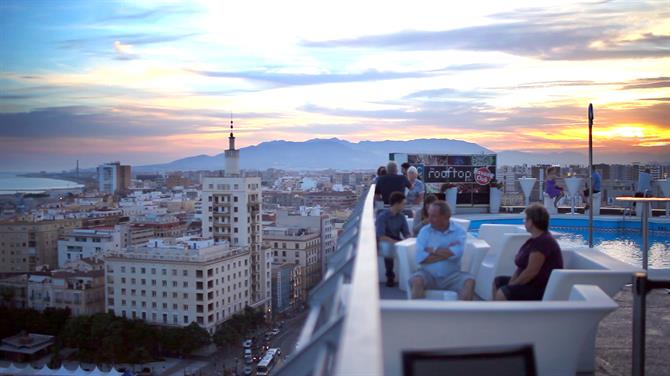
(416, 193)
(391, 228)
(439, 248)
(391, 182)
(597, 183)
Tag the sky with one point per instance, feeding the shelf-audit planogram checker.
(149, 82)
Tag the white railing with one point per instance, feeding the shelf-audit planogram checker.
(342, 333)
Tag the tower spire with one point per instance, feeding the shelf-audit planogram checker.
(232, 155)
(231, 138)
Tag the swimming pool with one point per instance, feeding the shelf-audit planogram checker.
(619, 239)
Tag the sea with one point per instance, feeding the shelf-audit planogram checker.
(11, 183)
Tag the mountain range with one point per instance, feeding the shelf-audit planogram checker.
(334, 153)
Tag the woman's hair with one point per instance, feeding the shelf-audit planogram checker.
(381, 171)
(429, 199)
(392, 168)
(538, 215)
(412, 170)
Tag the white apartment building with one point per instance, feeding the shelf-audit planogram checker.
(298, 246)
(318, 221)
(231, 211)
(177, 282)
(88, 243)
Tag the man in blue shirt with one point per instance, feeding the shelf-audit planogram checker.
(391, 226)
(439, 248)
(597, 183)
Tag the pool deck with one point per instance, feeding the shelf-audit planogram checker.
(581, 216)
(615, 334)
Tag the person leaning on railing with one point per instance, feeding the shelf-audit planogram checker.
(536, 258)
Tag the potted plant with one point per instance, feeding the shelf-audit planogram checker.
(450, 191)
(495, 197)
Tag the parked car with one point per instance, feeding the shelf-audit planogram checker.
(247, 370)
(274, 331)
(247, 343)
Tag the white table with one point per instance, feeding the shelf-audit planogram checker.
(664, 184)
(573, 184)
(645, 201)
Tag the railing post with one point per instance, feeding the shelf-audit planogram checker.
(639, 322)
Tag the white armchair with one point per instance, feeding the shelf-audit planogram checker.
(406, 256)
(549, 204)
(597, 197)
(499, 261)
(493, 233)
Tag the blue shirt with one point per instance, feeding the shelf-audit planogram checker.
(414, 192)
(430, 237)
(595, 178)
(391, 225)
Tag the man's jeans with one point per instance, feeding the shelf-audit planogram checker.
(387, 250)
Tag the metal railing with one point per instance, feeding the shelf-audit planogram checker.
(641, 287)
(342, 332)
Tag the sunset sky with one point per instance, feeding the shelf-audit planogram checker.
(150, 82)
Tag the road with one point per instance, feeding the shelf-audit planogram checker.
(232, 357)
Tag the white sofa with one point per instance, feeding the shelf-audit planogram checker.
(498, 262)
(555, 328)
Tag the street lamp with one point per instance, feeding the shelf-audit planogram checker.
(590, 176)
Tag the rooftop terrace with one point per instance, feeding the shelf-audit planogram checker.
(347, 330)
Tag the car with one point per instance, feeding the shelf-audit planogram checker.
(274, 331)
(247, 370)
(247, 343)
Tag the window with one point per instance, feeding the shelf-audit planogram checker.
(174, 296)
(174, 283)
(174, 271)
(143, 270)
(153, 270)
(153, 293)
(185, 319)
(185, 307)
(164, 283)
(164, 271)
(153, 282)
(185, 284)
(123, 279)
(184, 273)
(132, 269)
(123, 270)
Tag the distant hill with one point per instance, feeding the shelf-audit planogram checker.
(319, 154)
(341, 154)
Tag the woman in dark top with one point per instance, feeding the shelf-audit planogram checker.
(535, 260)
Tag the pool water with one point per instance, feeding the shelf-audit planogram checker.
(620, 239)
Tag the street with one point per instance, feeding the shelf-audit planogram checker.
(232, 357)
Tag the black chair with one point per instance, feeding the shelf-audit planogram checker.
(499, 361)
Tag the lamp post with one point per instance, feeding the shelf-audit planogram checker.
(590, 176)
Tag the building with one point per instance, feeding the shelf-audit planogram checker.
(231, 211)
(315, 219)
(26, 245)
(80, 290)
(330, 199)
(177, 282)
(88, 243)
(113, 178)
(299, 246)
(286, 282)
(26, 347)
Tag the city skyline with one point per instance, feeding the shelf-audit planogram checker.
(158, 81)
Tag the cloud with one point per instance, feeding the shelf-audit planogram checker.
(532, 33)
(124, 51)
(122, 14)
(303, 79)
(648, 83)
(296, 79)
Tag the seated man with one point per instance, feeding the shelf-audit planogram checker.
(439, 248)
(391, 226)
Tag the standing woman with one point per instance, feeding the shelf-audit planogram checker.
(536, 258)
